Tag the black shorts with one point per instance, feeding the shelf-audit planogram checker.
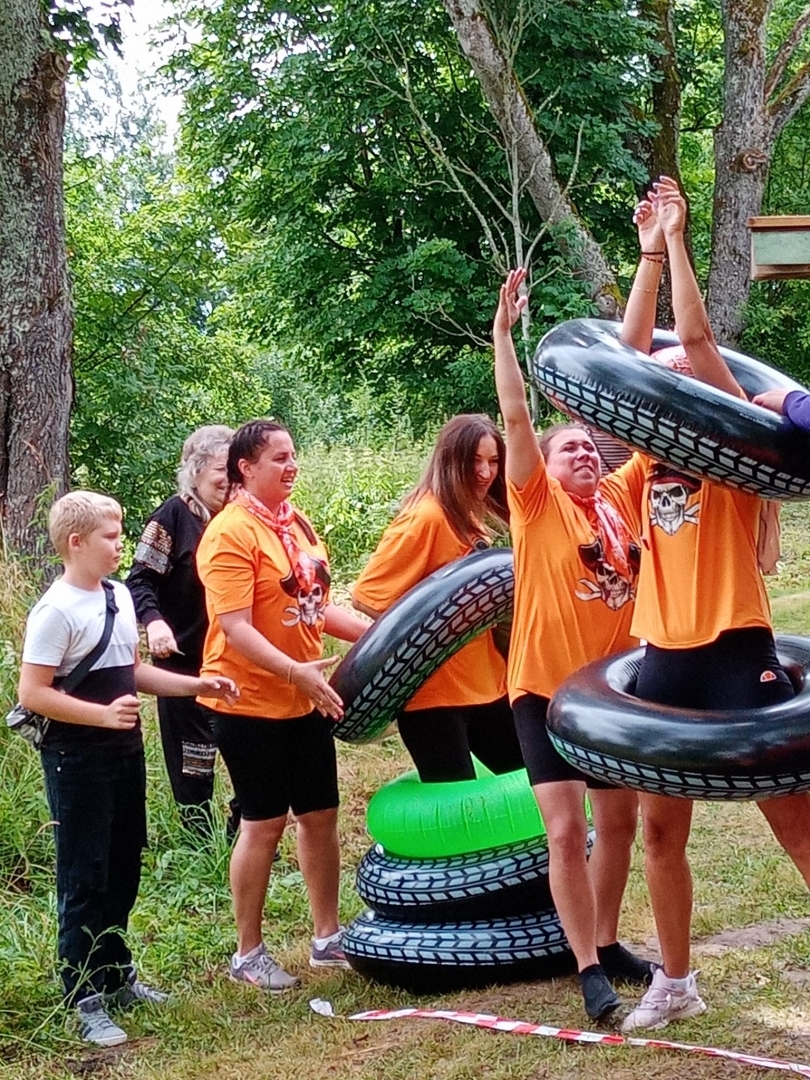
(543, 764)
(737, 671)
(441, 740)
(278, 765)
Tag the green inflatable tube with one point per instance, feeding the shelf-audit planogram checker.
(427, 821)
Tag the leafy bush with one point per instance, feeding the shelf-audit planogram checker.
(352, 494)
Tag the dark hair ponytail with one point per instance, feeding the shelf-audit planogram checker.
(246, 445)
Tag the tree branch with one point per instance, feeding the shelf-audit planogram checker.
(790, 100)
(785, 53)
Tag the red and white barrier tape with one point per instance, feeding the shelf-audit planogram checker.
(518, 1027)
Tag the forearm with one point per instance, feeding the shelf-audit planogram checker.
(163, 683)
(342, 624)
(692, 321)
(47, 701)
(247, 640)
(639, 316)
(796, 408)
(142, 583)
(509, 382)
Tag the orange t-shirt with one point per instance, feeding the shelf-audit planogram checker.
(417, 542)
(699, 570)
(571, 607)
(242, 564)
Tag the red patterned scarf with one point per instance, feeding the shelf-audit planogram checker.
(608, 525)
(281, 524)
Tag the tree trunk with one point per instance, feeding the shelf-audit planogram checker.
(743, 146)
(513, 114)
(35, 304)
(664, 158)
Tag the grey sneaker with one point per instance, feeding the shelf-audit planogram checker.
(331, 955)
(95, 1026)
(663, 1003)
(263, 971)
(134, 991)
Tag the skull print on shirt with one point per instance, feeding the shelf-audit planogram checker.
(610, 586)
(310, 605)
(670, 495)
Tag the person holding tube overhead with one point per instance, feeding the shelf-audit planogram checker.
(576, 560)
(701, 607)
(458, 507)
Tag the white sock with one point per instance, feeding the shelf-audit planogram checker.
(677, 984)
(322, 942)
(239, 960)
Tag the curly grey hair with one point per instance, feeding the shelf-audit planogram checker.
(198, 449)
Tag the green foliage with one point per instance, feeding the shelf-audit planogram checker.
(364, 159)
(352, 495)
(82, 31)
(155, 356)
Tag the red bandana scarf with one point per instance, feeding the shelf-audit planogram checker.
(611, 530)
(280, 523)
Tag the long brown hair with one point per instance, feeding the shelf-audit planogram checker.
(450, 478)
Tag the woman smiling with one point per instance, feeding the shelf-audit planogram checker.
(266, 578)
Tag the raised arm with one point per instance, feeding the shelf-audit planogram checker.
(691, 320)
(522, 451)
(639, 316)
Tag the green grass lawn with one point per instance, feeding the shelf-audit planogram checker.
(756, 985)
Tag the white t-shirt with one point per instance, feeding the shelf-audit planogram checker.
(66, 624)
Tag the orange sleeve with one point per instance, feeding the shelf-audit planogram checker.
(227, 570)
(529, 501)
(416, 543)
(624, 490)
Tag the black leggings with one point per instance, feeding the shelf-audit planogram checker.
(440, 741)
(737, 671)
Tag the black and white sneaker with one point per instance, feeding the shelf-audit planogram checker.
(95, 1026)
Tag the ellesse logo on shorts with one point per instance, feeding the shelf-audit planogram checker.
(768, 676)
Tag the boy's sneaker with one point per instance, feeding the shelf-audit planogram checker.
(134, 991)
(331, 954)
(95, 1026)
(664, 1002)
(263, 971)
(598, 995)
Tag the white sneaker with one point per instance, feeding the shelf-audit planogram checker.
(263, 971)
(95, 1026)
(664, 1002)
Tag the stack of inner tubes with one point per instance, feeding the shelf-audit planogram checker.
(457, 887)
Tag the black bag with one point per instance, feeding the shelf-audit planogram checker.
(34, 727)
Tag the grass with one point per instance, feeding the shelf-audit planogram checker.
(182, 934)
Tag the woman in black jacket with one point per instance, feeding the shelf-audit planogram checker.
(170, 603)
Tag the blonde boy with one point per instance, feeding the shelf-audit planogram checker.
(92, 756)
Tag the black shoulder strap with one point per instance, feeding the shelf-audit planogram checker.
(309, 532)
(72, 680)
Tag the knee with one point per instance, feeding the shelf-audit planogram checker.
(567, 839)
(265, 834)
(661, 842)
(616, 829)
(318, 823)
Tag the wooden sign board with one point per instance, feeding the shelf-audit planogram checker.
(780, 247)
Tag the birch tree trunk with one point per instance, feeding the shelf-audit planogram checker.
(513, 114)
(758, 102)
(35, 308)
